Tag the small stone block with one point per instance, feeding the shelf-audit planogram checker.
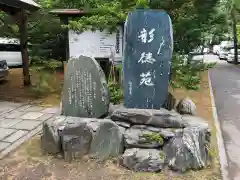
(45, 117)
(7, 123)
(32, 115)
(13, 114)
(22, 108)
(27, 125)
(15, 136)
(52, 110)
(4, 145)
(5, 132)
(34, 109)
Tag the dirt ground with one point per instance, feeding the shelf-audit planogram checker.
(28, 162)
(13, 90)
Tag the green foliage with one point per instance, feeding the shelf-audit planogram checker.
(44, 34)
(184, 75)
(238, 32)
(51, 64)
(116, 94)
(193, 20)
(161, 155)
(42, 86)
(210, 151)
(154, 137)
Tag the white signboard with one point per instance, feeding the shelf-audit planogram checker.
(96, 44)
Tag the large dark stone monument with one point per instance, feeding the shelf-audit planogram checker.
(148, 51)
(85, 91)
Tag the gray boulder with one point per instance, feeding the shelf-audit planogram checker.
(189, 151)
(50, 139)
(123, 124)
(159, 118)
(107, 141)
(141, 136)
(143, 160)
(186, 106)
(100, 138)
(85, 91)
(194, 121)
(113, 107)
(77, 136)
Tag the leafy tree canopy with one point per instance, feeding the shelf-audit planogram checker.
(193, 20)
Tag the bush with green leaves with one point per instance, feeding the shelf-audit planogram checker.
(187, 75)
(50, 64)
(115, 84)
(116, 93)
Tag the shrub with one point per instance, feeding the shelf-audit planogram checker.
(184, 75)
(43, 86)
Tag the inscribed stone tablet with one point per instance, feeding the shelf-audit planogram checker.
(85, 91)
(148, 51)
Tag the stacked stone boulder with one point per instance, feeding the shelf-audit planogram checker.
(75, 137)
(145, 140)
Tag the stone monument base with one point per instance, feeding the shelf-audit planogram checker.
(144, 140)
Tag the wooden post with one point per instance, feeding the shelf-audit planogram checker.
(64, 20)
(22, 23)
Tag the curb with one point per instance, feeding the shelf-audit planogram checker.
(221, 146)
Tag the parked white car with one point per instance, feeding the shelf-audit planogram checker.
(224, 53)
(10, 52)
(216, 49)
(230, 57)
(226, 44)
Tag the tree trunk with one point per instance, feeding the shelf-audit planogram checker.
(235, 38)
(22, 23)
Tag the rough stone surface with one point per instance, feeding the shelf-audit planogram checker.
(188, 151)
(194, 121)
(107, 141)
(123, 124)
(187, 106)
(50, 140)
(113, 107)
(85, 91)
(100, 138)
(76, 138)
(143, 160)
(170, 103)
(158, 118)
(135, 137)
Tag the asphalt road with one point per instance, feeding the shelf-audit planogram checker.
(225, 80)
